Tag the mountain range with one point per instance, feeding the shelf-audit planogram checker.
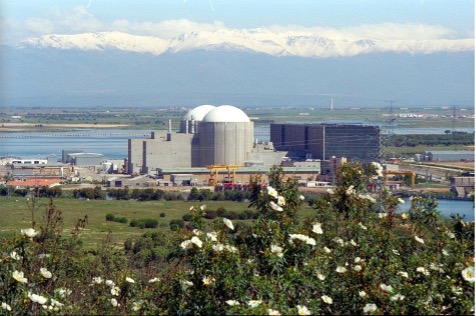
(240, 67)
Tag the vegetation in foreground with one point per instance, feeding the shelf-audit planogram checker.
(354, 255)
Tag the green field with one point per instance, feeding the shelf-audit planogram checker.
(16, 214)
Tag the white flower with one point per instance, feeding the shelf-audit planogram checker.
(420, 240)
(186, 244)
(362, 294)
(370, 308)
(195, 240)
(386, 288)
(29, 232)
(468, 274)
(62, 292)
(358, 259)
(212, 236)
(56, 303)
(232, 302)
(367, 197)
(45, 273)
(272, 192)
(382, 215)
(395, 251)
(397, 297)
(6, 306)
(316, 228)
(196, 232)
(281, 200)
(230, 248)
(327, 250)
(228, 223)
(326, 299)
(302, 198)
(350, 190)
(137, 305)
(203, 207)
(97, 280)
(378, 168)
(273, 312)
(207, 280)
(15, 256)
(423, 271)
(340, 241)
(362, 226)
(110, 283)
(358, 268)
(186, 284)
(321, 276)
(341, 269)
(302, 310)
(217, 247)
(275, 206)
(450, 234)
(153, 280)
(400, 200)
(405, 215)
(115, 290)
(311, 241)
(456, 290)
(19, 276)
(276, 249)
(130, 280)
(114, 302)
(37, 298)
(403, 274)
(254, 303)
(353, 243)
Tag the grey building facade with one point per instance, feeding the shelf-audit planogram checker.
(324, 141)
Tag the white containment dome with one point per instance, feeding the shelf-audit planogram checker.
(225, 136)
(198, 113)
(189, 123)
(226, 113)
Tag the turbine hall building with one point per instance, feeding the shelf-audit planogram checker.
(323, 141)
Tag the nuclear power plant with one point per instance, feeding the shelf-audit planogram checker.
(208, 135)
(213, 138)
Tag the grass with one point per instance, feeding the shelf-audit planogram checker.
(16, 214)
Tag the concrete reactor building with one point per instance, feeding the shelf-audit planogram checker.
(208, 135)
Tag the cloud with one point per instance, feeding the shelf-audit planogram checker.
(165, 29)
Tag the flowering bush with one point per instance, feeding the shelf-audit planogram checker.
(355, 255)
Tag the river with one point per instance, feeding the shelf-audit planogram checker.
(448, 207)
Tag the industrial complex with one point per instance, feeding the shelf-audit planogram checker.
(216, 146)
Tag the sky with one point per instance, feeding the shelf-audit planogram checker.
(418, 19)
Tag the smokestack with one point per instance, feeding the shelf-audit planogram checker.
(170, 126)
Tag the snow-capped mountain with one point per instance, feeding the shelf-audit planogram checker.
(255, 40)
(242, 67)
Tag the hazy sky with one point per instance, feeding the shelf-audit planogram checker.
(421, 19)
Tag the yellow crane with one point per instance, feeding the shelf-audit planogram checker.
(214, 169)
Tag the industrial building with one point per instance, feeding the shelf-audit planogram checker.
(208, 135)
(445, 155)
(323, 141)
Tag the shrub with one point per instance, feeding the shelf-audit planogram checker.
(176, 224)
(109, 217)
(162, 214)
(187, 217)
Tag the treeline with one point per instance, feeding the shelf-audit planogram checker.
(413, 140)
(149, 194)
